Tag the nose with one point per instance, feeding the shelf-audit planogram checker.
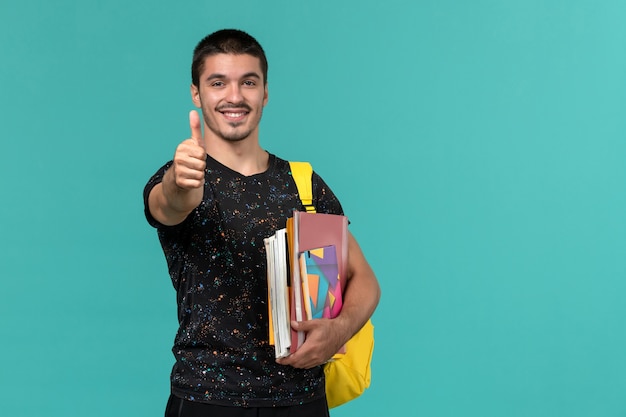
(234, 93)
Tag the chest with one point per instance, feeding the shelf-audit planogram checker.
(247, 209)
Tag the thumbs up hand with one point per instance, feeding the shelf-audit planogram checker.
(182, 188)
(190, 157)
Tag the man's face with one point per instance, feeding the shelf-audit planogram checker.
(231, 95)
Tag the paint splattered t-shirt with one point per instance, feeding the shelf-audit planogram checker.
(216, 260)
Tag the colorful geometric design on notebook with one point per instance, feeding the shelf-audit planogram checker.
(324, 282)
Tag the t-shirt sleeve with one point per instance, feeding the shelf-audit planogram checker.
(324, 200)
(154, 180)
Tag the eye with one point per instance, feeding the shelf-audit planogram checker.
(249, 83)
(217, 84)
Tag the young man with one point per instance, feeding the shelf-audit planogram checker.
(212, 205)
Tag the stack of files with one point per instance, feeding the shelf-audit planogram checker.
(306, 263)
(278, 284)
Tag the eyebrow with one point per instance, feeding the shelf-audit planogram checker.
(218, 76)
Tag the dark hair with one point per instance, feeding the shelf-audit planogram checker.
(226, 41)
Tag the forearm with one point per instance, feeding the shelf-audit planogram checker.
(170, 204)
(361, 294)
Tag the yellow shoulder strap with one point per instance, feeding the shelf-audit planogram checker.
(302, 173)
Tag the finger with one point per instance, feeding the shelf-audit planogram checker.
(196, 130)
(291, 360)
(299, 360)
(303, 326)
(295, 325)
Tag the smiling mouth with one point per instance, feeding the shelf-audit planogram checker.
(234, 115)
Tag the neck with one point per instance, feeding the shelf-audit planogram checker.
(244, 156)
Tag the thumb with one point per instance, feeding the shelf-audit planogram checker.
(196, 130)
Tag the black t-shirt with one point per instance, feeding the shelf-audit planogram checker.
(216, 259)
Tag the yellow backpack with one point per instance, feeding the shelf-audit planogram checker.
(347, 374)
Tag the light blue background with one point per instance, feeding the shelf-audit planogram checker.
(478, 148)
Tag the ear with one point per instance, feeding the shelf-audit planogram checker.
(195, 96)
(265, 96)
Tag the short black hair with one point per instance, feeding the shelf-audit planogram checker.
(226, 41)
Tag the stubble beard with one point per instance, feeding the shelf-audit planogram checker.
(234, 136)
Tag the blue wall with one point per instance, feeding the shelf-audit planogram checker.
(480, 154)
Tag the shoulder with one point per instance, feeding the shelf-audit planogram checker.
(279, 164)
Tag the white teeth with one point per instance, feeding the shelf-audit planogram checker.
(233, 114)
